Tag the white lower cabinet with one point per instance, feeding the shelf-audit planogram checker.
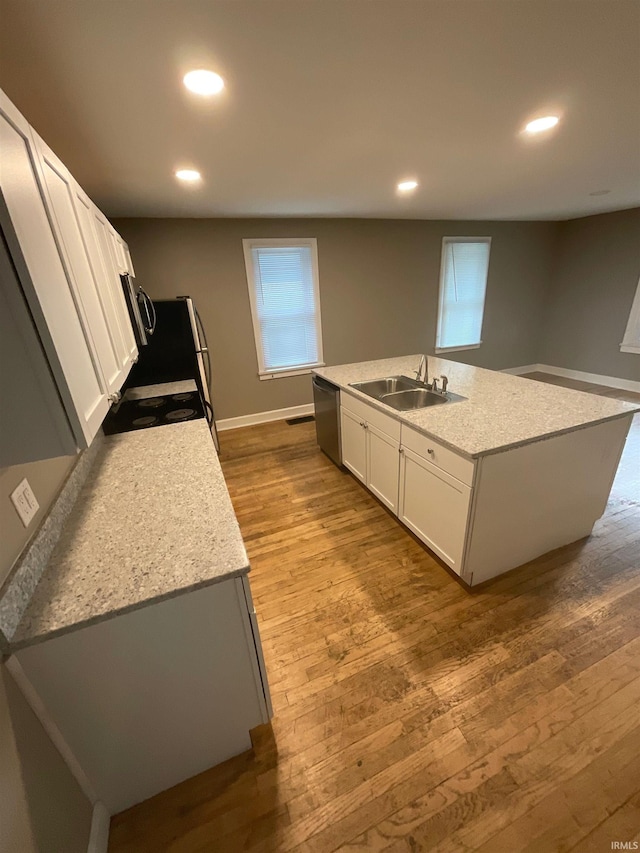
(427, 485)
(382, 468)
(435, 506)
(144, 700)
(370, 444)
(354, 444)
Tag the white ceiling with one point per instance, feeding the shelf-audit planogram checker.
(329, 103)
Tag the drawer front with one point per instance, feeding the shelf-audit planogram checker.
(365, 412)
(436, 453)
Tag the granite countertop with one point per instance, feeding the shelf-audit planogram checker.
(153, 520)
(501, 410)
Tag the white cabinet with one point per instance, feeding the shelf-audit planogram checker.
(382, 466)
(144, 700)
(59, 191)
(57, 312)
(435, 506)
(109, 289)
(435, 494)
(114, 265)
(426, 484)
(354, 444)
(370, 444)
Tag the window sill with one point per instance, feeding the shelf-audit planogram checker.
(630, 348)
(292, 371)
(455, 349)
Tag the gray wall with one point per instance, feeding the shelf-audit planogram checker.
(378, 291)
(593, 285)
(42, 809)
(45, 478)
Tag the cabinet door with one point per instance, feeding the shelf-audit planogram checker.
(434, 505)
(59, 190)
(52, 302)
(112, 265)
(354, 445)
(117, 248)
(33, 425)
(382, 466)
(109, 291)
(127, 256)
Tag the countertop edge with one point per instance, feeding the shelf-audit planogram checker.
(35, 640)
(393, 413)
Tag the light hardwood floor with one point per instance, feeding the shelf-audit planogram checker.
(410, 713)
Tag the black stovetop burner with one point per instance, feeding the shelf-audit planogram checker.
(154, 411)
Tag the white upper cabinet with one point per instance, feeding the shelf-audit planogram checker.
(55, 304)
(59, 192)
(114, 265)
(110, 290)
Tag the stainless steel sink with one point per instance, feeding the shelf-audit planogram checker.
(389, 385)
(416, 398)
(404, 394)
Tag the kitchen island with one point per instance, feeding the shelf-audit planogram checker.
(516, 469)
(140, 649)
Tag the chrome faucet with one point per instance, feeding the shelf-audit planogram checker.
(422, 373)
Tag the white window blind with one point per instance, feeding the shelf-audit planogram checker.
(631, 340)
(463, 283)
(282, 276)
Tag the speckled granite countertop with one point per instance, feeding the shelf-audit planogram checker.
(501, 411)
(153, 520)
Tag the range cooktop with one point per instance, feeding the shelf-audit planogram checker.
(160, 410)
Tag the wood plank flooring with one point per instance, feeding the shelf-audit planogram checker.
(411, 714)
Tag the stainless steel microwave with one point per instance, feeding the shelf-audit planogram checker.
(140, 307)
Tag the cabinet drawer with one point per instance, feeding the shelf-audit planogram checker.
(438, 454)
(365, 412)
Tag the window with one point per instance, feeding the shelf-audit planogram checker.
(463, 282)
(285, 305)
(631, 340)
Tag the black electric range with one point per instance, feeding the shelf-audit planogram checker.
(154, 411)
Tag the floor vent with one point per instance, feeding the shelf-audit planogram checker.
(304, 419)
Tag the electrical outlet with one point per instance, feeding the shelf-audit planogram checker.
(25, 502)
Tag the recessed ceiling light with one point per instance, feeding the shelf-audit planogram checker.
(407, 186)
(203, 82)
(540, 124)
(189, 175)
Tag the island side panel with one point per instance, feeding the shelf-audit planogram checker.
(541, 496)
(153, 697)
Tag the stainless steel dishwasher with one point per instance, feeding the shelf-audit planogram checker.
(326, 400)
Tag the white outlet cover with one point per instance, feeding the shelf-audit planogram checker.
(25, 502)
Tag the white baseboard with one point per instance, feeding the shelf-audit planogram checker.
(265, 417)
(99, 837)
(517, 371)
(595, 378)
(580, 375)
